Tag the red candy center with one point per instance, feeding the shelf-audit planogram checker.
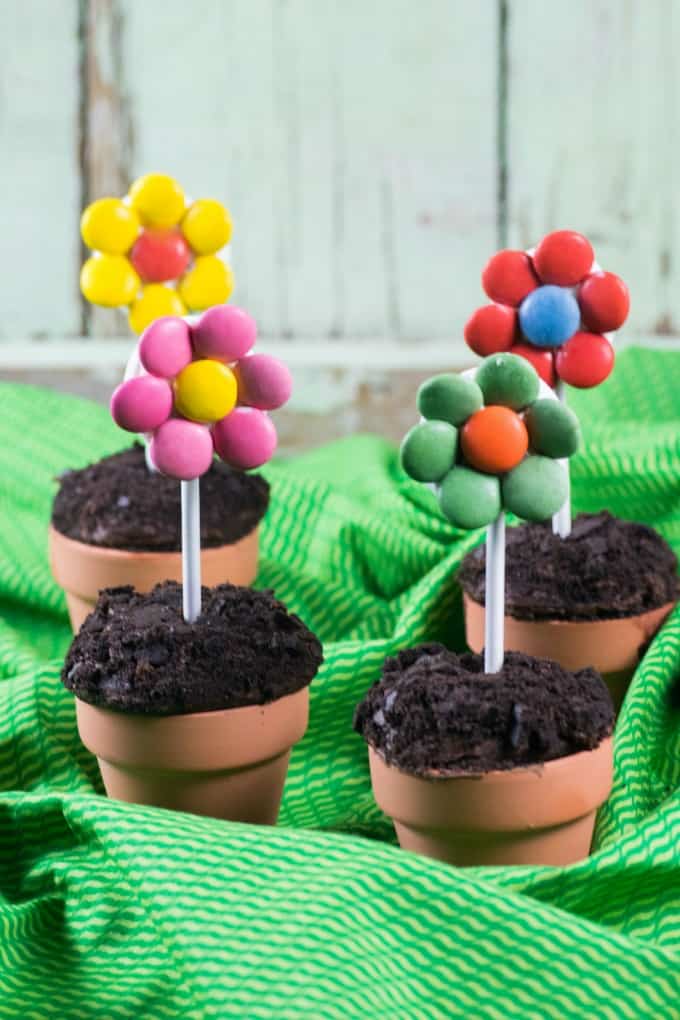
(160, 255)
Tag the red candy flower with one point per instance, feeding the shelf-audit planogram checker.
(552, 306)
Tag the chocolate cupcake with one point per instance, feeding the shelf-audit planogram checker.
(197, 717)
(596, 597)
(115, 523)
(476, 768)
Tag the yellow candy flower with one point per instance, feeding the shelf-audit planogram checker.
(154, 253)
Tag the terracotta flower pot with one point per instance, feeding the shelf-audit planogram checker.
(83, 570)
(613, 647)
(227, 764)
(542, 814)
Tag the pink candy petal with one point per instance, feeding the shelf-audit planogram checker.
(264, 382)
(224, 332)
(182, 449)
(245, 439)
(141, 404)
(165, 346)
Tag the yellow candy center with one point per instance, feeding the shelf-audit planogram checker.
(205, 391)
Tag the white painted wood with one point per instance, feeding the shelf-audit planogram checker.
(354, 143)
(594, 95)
(39, 184)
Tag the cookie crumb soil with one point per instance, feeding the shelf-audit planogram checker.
(434, 709)
(117, 503)
(136, 653)
(607, 568)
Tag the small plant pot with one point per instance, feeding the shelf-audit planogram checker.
(612, 647)
(228, 764)
(539, 814)
(84, 570)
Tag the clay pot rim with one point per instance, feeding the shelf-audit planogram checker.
(494, 775)
(216, 740)
(666, 607)
(108, 552)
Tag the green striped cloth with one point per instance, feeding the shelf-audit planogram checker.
(113, 911)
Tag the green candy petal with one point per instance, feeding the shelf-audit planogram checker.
(449, 398)
(554, 429)
(508, 380)
(535, 489)
(429, 450)
(470, 499)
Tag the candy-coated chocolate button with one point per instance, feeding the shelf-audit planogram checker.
(208, 282)
(508, 277)
(109, 280)
(494, 440)
(553, 428)
(450, 398)
(141, 404)
(509, 380)
(585, 361)
(549, 316)
(263, 382)
(604, 302)
(205, 391)
(155, 301)
(207, 226)
(165, 347)
(160, 255)
(491, 329)
(536, 488)
(158, 199)
(469, 499)
(246, 438)
(182, 449)
(428, 450)
(542, 359)
(224, 332)
(110, 226)
(563, 257)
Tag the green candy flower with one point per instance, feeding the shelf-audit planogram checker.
(491, 443)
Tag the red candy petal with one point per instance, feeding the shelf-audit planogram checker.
(563, 258)
(508, 277)
(491, 329)
(585, 361)
(541, 358)
(604, 302)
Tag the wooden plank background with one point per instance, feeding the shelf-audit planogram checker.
(373, 156)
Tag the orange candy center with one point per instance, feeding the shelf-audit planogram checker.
(494, 440)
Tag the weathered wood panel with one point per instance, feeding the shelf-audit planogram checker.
(593, 135)
(354, 142)
(39, 179)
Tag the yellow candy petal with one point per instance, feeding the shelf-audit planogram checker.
(109, 280)
(110, 226)
(205, 391)
(209, 282)
(206, 226)
(155, 301)
(158, 199)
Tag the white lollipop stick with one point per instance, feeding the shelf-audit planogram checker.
(191, 549)
(494, 630)
(561, 522)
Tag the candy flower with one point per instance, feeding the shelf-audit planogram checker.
(488, 441)
(155, 253)
(200, 391)
(553, 306)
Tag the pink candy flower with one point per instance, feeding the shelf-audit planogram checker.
(200, 391)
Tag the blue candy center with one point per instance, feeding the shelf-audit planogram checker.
(549, 316)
